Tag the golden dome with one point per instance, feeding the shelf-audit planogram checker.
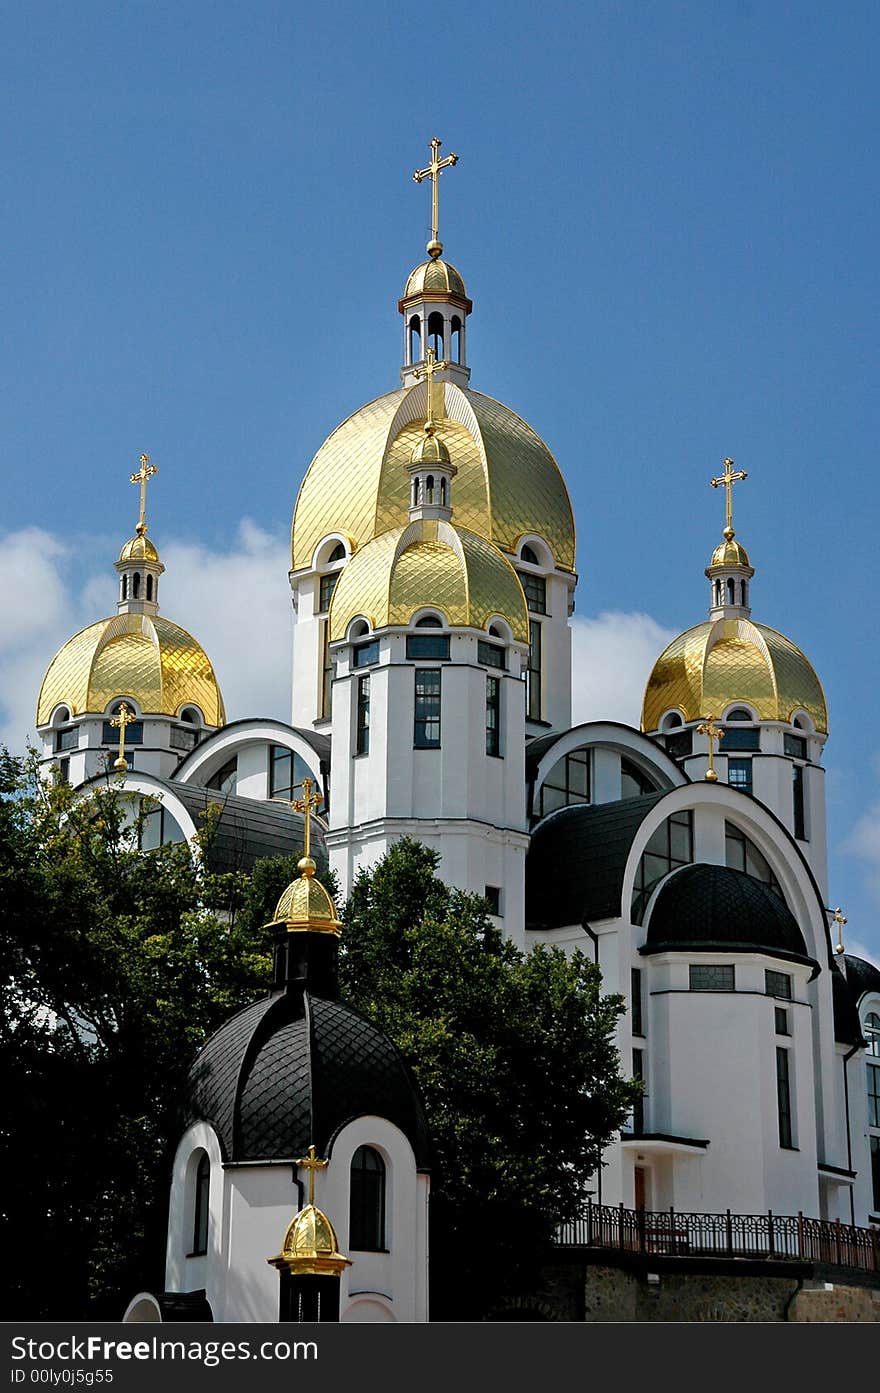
(508, 483)
(435, 277)
(728, 660)
(429, 564)
(139, 548)
(310, 1246)
(306, 906)
(430, 450)
(148, 658)
(730, 553)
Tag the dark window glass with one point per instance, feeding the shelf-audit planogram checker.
(183, 738)
(226, 778)
(743, 855)
(493, 715)
(670, 846)
(328, 585)
(491, 655)
(740, 714)
(367, 1216)
(493, 897)
(68, 739)
(638, 1121)
(529, 555)
(64, 771)
(427, 646)
(632, 781)
(533, 673)
(636, 999)
(286, 772)
(875, 1172)
(783, 1097)
(781, 1015)
(158, 828)
(797, 800)
(362, 740)
(426, 732)
(711, 977)
(200, 1220)
(777, 984)
(326, 671)
(735, 739)
(365, 654)
(679, 744)
(874, 1095)
(795, 746)
(871, 1033)
(535, 591)
(134, 734)
(739, 774)
(568, 782)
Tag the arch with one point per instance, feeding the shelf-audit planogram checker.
(366, 1230)
(533, 550)
(500, 629)
(718, 592)
(429, 489)
(123, 593)
(414, 339)
(429, 621)
(435, 332)
(742, 593)
(415, 492)
(672, 720)
(455, 337)
(143, 1309)
(804, 722)
(60, 716)
(149, 587)
(529, 555)
(740, 713)
(113, 707)
(327, 552)
(136, 585)
(337, 554)
(443, 490)
(871, 1032)
(192, 715)
(201, 1191)
(731, 591)
(365, 1310)
(358, 628)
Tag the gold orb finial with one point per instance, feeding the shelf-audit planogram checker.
(434, 249)
(306, 866)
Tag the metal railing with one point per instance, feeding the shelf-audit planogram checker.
(669, 1233)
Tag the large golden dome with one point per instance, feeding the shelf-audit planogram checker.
(508, 483)
(148, 658)
(727, 660)
(429, 564)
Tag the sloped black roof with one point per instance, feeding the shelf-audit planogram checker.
(861, 976)
(577, 858)
(703, 908)
(293, 1069)
(247, 828)
(847, 1026)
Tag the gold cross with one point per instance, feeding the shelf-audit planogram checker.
(305, 805)
(839, 919)
(311, 1163)
(730, 477)
(433, 173)
(125, 718)
(145, 472)
(427, 372)
(710, 728)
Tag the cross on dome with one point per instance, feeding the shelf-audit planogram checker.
(305, 805)
(713, 731)
(124, 717)
(312, 1163)
(431, 367)
(730, 477)
(432, 172)
(145, 472)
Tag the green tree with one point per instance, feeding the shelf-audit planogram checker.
(515, 1058)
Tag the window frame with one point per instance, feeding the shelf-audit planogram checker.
(493, 717)
(368, 1221)
(362, 717)
(700, 981)
(431, 708)
(201, 1206)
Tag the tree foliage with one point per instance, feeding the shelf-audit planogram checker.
(515, 1058)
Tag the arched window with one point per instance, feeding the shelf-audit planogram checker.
(872, 1033)
(124, 591)
(415, 491)
(200, 1209)
(136, 585)
(415, 339)
(529, 555)
(443, 491)
(435, 333)
(337, 554)
(671, 720)
(741, 854)
(455, 338)
(367, 1211)
(718, 592)
(429, 621)
(739, 713)
(149, 587)
(730, 591)
(191, 716)
(429, 489)
(742, 592)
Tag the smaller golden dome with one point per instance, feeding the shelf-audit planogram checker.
(730, 553)
(430, 449)
(305, 906)
(435, 277)
(310, 1246)
(139, 548)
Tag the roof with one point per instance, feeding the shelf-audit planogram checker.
(294, 1068)
(435, 277)
(705, 908)
(139, 548)
(158, 664)
(726, 660)
(861, 976)
(844, 996)
(577, 860)
(247, 829)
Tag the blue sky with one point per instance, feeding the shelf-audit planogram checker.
(665, 215)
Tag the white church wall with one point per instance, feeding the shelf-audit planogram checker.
(184, 1271)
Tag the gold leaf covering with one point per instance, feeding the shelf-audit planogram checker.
(150, 659)
(728, 660)
(139, 548)
(306, 906)
(435, 276)
(310, 1245)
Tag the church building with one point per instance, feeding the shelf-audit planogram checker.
(433, 574)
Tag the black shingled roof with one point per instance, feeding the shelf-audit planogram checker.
(248, 828)
(861, 976)
(576, 861)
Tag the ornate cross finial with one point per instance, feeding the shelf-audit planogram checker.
(427, 372)
(730, 477)
(432, 172)
(124, 717)
(713, 731)
(839, 919)
(145, 472)
(312, 1163)
(305, 805)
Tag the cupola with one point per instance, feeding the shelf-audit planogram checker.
(138, 565)
(434, 303)
(730, 571)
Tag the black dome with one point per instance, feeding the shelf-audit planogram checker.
(293, 1069)
(705, 908)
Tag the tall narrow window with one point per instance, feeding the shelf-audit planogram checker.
(636, 1001)
(149, 587)
(639, 1104)
(493, 716)
(875, 1172)
(871, 1033)
(874, 1095)
(426, 729)
(325, 590)
(326, 672)
(136, 585)
(415, 339)
(124, 587)
(783, 1097)
(200, 1213)
(362, 741)
(367, 1209)
(533, 673)
(534, 589)
(797, 798)
(435, 334)
(455, 339)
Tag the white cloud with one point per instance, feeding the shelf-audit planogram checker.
(611, 660)
(864, 842)
(858, 949)
(32, 597)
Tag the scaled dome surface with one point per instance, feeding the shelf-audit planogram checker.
(706, 908)
(508, 484)
(155, 662)
(719, 662)
(435, 276)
